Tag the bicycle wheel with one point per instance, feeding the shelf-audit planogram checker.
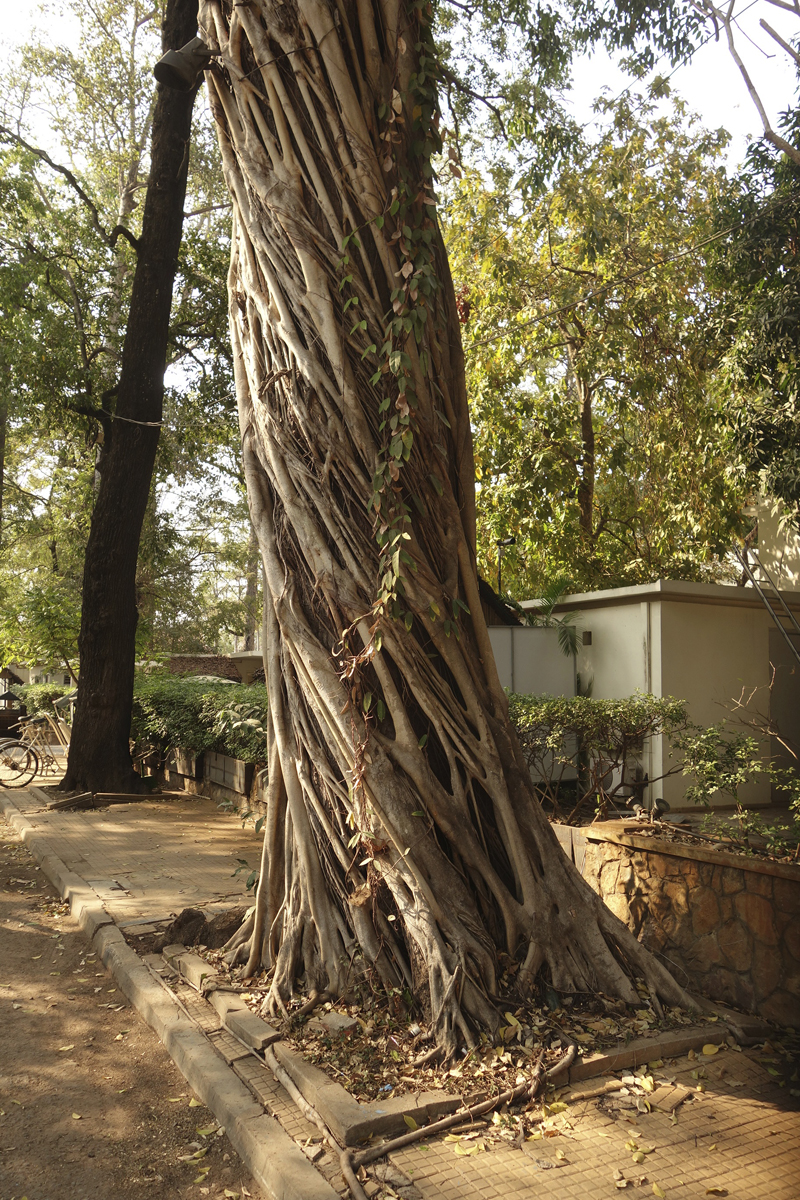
(19, 764)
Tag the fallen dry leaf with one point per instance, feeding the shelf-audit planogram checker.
(710, 1048)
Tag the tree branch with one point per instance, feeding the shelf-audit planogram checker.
(460, 86)
(726, 20)
(200, 212)
(790, 50)
(792, 8)
(110, 239)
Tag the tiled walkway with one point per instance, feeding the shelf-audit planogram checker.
(149, 860)
(741, 1135)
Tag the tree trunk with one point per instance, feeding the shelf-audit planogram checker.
(403, 837)
(3, 426)
(588, 465)
(99, 754)
(251, 591)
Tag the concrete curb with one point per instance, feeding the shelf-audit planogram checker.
(274, 1160)
(350, 1121)
(639, 1052)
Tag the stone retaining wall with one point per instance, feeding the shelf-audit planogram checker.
(727, 926)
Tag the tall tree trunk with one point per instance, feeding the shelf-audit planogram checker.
(251, 591)
(3, 426)
(403, 835)
(588, 462)
(99, 754)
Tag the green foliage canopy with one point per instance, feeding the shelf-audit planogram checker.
(590, 363)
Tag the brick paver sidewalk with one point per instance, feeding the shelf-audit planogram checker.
(150, 859)
(741, 1135)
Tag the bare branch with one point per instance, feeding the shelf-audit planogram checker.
(725, 18)
(792, 8)
(200, 212)
(777, 38)
(110, 239)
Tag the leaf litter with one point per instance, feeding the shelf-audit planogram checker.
(374, 1054)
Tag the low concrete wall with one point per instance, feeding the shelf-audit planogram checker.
(254, 802)
(727, 926)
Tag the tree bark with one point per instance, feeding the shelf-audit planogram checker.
(403, 836)
(588, 462)
(3, 425)
(251, 591)
(99, 755)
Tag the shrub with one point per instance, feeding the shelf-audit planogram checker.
(721, 760)
(38, 697)
(169, 710)
(582, 750)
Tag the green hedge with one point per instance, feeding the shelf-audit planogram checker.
(169, 711)
(576, 745)
(39, 697)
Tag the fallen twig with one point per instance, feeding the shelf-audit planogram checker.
(613, 1085)
(510, 1096)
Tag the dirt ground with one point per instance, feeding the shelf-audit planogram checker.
(91, 1105)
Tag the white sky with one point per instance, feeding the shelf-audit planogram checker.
(710, 83)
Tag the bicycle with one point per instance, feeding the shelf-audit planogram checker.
(19, 763)
(41, 733)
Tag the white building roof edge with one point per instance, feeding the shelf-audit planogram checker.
(677, 590)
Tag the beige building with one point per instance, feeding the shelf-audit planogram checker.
(707, 644)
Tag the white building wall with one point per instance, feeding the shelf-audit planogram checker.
(616, 664)
(713, 655)
(778, 546)
(530, 661)
(701, 643)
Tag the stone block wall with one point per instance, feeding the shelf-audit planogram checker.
(727, 926)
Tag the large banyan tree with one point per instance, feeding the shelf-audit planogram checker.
(402, 830)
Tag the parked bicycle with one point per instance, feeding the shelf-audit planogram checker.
(19, 763)
(23, 758)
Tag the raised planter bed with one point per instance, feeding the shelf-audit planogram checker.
(228, 772)
(188, 763)
(727, 925)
